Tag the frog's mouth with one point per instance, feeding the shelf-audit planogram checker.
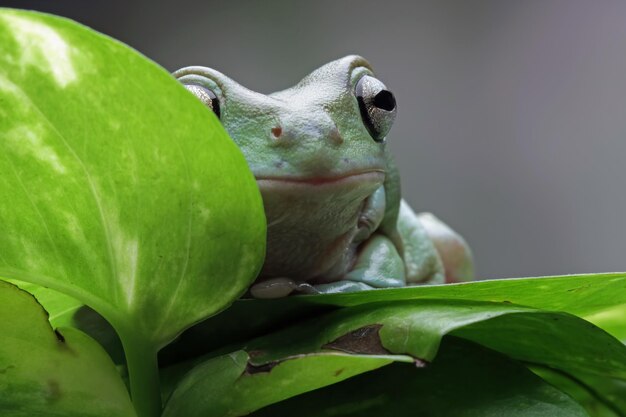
(353, 178)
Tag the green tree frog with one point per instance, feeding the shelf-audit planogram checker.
(331, 190)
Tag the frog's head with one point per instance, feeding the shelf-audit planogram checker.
(331, 126)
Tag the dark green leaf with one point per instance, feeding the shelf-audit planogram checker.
(416, 327)
(576, 294)
(230, 385)
(601, 396)
(464, 381)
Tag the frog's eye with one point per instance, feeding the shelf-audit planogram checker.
(208, 97)
(377, 105)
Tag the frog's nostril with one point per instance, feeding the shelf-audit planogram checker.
(277, 131)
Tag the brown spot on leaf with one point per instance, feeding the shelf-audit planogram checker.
(365, 340)
(339, 371)
(257, 369)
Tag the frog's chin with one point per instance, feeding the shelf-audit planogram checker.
(320, 181)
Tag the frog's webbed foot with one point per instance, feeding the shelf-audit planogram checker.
(280, 287)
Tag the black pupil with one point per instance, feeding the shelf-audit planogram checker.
(384, 100)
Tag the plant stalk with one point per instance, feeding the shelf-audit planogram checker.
(143, 373)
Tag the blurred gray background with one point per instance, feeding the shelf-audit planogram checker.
(512, 114)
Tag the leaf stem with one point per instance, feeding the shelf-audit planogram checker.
(143, 372)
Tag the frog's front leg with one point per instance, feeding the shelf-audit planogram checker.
(378, 265)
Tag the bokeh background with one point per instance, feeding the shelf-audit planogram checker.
(512, 114)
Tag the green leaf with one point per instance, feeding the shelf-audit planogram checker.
(602, 397)
(464, 381)
(559, 340)
(575, 294)
(416, 328)
(583, 295)
(43, 372)
(125, 191)
(613, 320)
(230, 385)
(66, 311)
(60, 307)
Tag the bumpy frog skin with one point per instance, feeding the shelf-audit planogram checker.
(331, 191)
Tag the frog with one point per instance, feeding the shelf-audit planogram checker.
(336, 219)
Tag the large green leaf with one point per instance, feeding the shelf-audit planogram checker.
(416, 328)
(52, 373)
(576, 294)
(602, 297)
(559, 340)
(119, 188)
(464, 381)
(125, 192)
